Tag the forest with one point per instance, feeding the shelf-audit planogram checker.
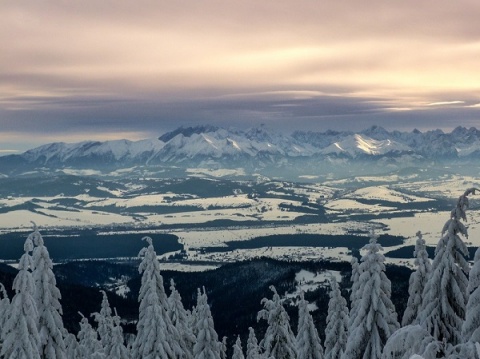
(367, 317)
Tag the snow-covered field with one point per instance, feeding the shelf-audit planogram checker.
(270, 214)
(308, 281)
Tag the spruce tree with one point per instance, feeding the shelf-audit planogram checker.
(337, 323)
(117, 350)
(88, 341)
(252, 345)
(72, 347)
(418, 280)
(20, 334)
(279, 341)
(471, 325)
(445, 295)
(237, 350)
(4, 310)
(375, 318)
(179, 317)
(156, 335)
(47, 298)
(207, 345)
(223, 348)
(355, 292)
(104, 321)
(309, 345)
(411, 340)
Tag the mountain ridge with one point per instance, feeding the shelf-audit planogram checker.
(255, 148)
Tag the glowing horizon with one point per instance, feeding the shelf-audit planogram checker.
(72, 69)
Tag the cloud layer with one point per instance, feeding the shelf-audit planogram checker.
(145, 66)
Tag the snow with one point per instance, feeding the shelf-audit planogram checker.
(356, 144)
(308, 281)
(352, 205)
(383, 193)
(80, 172)
(450, 187)
(122, 290)
(187, 267)
(57, 219)
(224, 172)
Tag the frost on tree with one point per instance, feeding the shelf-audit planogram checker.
(409, 341)
(355, 292)
(71, 346)
(117, 349)
(179, 317)
(207, 345)
(20, 333)
(471, 325)
(445, 295)
(47, 298)
(156, 336)
(375, 318)
(237, 350)
(309, 345)
(88, 342)
(252, 345)
(418, 280)
(223, 348)
(279, 341)
(337, 323)
(4, 310)
(104, 321)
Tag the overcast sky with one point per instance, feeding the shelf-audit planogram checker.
(75, 70)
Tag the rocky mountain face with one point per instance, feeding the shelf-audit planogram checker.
(254, 149)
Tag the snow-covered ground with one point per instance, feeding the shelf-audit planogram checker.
(341, 203)
(308, 281)
(383, 193)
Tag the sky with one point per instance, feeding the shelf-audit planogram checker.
(77, 70)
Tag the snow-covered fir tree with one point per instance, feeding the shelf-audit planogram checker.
(179, 317)
(337, 323)
(445, 295)
(193, 319)
(71, 346)
(465, 350)
(471, 325)
(375, 318)
(252, 345)
(47, 298)
(4, 310)
(411, 340)
(207, 345)
(355, 292)
(156, 336)
(279, 341)
(20, 333)
(88, 342)
(223, 348)
(104, 321)
(418, 280)
(237, 350)
(117, 350)
(309, 345)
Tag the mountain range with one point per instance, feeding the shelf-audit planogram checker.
(255, 149)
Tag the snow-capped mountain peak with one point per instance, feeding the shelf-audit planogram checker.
(256, 147)
(357, 144)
